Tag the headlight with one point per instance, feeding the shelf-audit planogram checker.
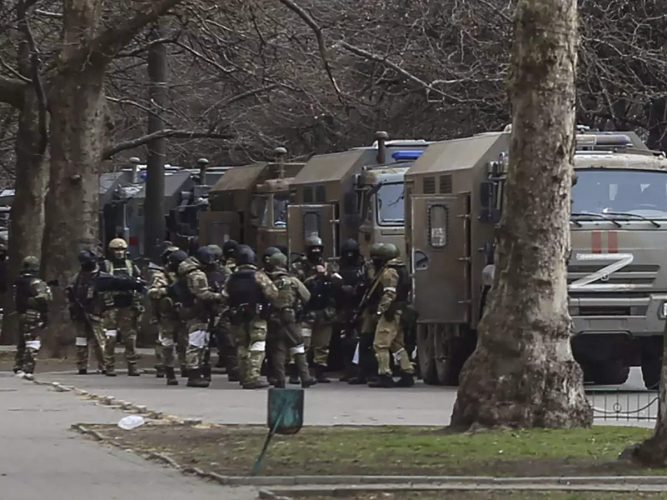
(662, 312)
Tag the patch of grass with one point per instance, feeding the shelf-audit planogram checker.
(232, 450)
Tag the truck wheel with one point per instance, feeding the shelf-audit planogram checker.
(612, 372)
(426, 356)
(651, 350)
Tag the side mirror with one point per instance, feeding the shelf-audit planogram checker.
(487, 194)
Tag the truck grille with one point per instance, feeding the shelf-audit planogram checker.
(641, 276)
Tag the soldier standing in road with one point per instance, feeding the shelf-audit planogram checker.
(32, 297)
(227, 343)
(394, 287)
(349, 295)
(320, 312)
(216, 274)
(250, 293)
(197, 298)
(86, 309)
(123, 310)
(171, 329)
(284, 331)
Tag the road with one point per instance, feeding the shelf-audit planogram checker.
(41, 458)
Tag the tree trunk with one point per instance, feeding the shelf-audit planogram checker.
(522, 373)
(154, 222)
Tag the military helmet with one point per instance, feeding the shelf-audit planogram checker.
(177, 257)
(205, 255)
(389, 251)
(117, 244)
(314, 241)
(245, 255)
(278, 260)
(269, 252)
(167, 252)
(349, 246)
(229, 248)
(376, 250)
(30, 263)
(86, 257)
(217, 251)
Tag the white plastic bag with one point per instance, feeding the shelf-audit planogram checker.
(131, 422)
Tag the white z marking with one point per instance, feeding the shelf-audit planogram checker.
(587, 282)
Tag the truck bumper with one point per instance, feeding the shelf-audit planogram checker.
(634, 316)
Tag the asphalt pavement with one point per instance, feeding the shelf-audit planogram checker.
(41, 458)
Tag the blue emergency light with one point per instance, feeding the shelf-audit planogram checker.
(410, 154)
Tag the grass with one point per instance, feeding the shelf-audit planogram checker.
(391, 450)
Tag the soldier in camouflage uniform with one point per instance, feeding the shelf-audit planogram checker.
(284, 330)
(394, 289)
(32, 296)
(86, 308)
(320, 312)
(226, 340)
(171, 329)
(123, 310)
(250, 293)
(157, 279)
(196, 300)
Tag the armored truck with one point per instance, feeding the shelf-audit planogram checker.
(352, 194)
(617, 275)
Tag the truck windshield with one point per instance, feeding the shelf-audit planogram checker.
(389, 204)
(620, 194)
(280, 209)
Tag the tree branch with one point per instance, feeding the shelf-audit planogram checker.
(172, 133)
(308, 19)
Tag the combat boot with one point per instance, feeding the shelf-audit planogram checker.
(406, 380)
(293, 372)
(206, 372)
(83, 371)
(132, 370)
(382, 381)
(171, 376)
(320, 374)
(184, 371)
(110, 372)
(257, 384)
(159, 371)
(195, 379)
(302, 366)
(278, 383)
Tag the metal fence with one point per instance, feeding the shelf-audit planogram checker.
(616, 405)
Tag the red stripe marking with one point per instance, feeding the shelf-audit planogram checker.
(612, 240)
(134, 241)
(596, 242)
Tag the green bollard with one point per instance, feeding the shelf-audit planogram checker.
(284, 416)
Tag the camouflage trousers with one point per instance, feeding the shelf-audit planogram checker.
(316, 333)
(198, 341)
(29, 342)
(284, 341)
(120, 321)
(172, 333)
(89, 334)
(226, 344)
(250, 336)
(388, 341)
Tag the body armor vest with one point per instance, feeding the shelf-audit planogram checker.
(216, 279)
(126, 271)
(404, 283)
(24, 291)
(286, 293)
(243, 289)
(179, 292)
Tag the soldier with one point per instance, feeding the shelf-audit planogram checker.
(349, 295)
(321, 310)
(216, 274)
(284, 331)
(394, 289)
(250, 293)
(86, 310)
(227, 342)
(159, 282)
(32, 297)
(229, 248)
(123, 310)
(171, 329)
(367, 364)
(267, 267)
(196, 298)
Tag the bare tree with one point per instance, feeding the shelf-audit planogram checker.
(522, 373)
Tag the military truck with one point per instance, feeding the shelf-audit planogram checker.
(351, 194)
(249, 204)
(616, 276)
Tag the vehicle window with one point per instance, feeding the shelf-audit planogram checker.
(259, 210)
(219, 233)
(390, 204)
(634, 192)
(437, 226)
(311, 224)
(280, 210)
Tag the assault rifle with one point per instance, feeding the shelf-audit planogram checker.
(350, 329)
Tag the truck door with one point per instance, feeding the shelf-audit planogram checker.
(441, 257)
(307, 220)
(217, 227)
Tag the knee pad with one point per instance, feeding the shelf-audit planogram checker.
(198, 338)
(300, 349)
(81, 342)
(258, 346)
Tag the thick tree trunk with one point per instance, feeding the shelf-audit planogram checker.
(522, 373)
